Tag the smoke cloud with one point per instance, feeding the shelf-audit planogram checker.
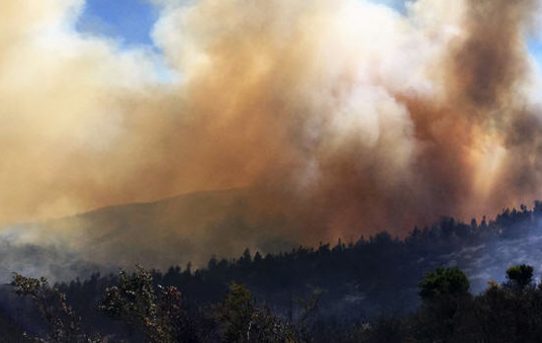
(342, 117)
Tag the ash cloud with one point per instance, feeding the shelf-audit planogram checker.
(339, 117)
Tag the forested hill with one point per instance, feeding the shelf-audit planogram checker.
(369, 277)
(349, 281)
(187, 227)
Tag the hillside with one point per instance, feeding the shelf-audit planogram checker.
(191, 227)
(352, 282)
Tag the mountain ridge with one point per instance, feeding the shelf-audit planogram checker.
(190, 227)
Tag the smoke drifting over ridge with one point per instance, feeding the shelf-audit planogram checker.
(343, 117)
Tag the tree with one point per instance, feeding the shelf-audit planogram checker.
(520, 276)
(241, 321)
(235, 314)
(444, 282)
(64, 324)
(159, 315)
(445, 301)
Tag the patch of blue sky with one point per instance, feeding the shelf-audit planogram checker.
(535, 49)
(130, 24)
(128, 21)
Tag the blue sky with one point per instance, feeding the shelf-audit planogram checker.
(129, 21)
(535, 46)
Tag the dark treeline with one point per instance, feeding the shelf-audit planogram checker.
(367, 290)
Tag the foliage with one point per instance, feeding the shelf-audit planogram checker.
(444, 282)
(157, 312)
(520, 276)
(449, 313)
(376, 289)
(445, 295)
(243, 322)
(64, 326)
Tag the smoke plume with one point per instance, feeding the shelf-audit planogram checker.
(342, 117)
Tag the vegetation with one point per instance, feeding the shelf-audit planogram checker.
(507, 312)
(63, 323)
(380, 289)
(156, 311)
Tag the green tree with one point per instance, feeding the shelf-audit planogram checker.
(444, 282)
(520, 276)
(158, 314)
(64, 324)
(242, 321)
(446, 302)
(235, 314)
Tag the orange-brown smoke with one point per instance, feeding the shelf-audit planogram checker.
(340, 116)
